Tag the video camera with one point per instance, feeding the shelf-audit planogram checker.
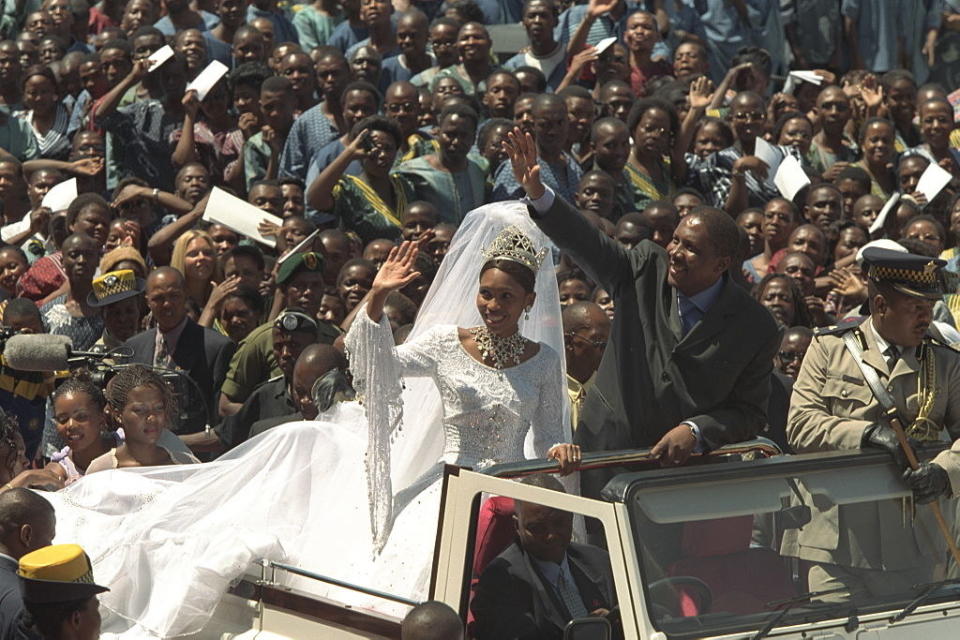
(53, 353)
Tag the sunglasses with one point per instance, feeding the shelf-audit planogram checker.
(789, 356)
(599, 344)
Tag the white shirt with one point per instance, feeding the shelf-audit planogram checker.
(882, 344)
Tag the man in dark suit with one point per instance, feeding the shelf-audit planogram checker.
(180, 343)
(542, 581)
(689, 358)
(27, 523)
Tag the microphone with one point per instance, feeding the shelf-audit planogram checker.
(43, 352)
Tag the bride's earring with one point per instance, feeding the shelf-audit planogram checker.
(526, 314)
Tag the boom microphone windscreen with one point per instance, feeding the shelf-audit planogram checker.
(40, 352)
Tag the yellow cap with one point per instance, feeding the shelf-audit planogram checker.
(57, 573)
(60, 562)
(113, 287)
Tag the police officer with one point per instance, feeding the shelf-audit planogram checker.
(874, 549)
(59, 593)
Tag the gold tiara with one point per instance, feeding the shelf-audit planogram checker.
(513, 244)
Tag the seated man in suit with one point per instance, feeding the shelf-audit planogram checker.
(27, 523)
(179, 343)
(543, 580)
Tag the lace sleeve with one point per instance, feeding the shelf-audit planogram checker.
(548, 425)
(378, 368)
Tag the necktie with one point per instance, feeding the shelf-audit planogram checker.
(570, 595)
(688, 314)
(162, 356)
(893, 355)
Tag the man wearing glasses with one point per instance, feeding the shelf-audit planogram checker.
(734, 178)
(586, 329)
(402, 103)
(793, 347)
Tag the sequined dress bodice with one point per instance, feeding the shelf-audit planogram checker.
(487, 412)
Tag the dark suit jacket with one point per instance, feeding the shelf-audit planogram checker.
(513, 603)
(270, 400)
(11, 602)
(204, 355)
(651, 377)
(781, 386)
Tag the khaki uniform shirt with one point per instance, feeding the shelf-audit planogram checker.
(831, 407)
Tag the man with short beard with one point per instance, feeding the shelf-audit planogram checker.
(177, 342)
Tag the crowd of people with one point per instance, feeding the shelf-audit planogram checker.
(707, 174)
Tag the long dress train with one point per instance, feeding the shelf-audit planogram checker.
(168, 540)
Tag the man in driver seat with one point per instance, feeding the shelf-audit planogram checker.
(879, 549)
(542, 581)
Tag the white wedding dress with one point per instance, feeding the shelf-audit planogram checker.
(487, 415)
(353, 495)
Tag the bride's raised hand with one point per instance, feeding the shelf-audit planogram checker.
(568, 455)
(398, 271)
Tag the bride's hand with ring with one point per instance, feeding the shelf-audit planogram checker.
(568, 455)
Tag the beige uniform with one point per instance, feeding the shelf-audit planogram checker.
(831, 407)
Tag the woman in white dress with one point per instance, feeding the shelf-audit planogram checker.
(496, 387)
(168, 541)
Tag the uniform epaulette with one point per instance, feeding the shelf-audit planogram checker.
(841, 327)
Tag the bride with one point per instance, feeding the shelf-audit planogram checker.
(468, 388)
(496, 387)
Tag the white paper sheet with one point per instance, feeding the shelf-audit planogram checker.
(770, 155)
(796, 77)
(882, 216)
(604, 44)
(790, 178)
(238, 215)
(61, 195)
(207, 78)
(933, 180)
(160, 56)
(15, 228)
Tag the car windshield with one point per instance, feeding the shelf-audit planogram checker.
(828, 539)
